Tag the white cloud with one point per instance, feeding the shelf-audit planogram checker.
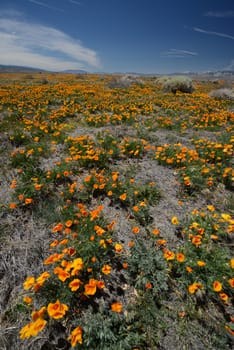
(35, 45)
(176, 53)
(223, 35)
(219, 14)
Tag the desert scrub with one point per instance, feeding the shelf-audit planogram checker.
(223, 94)
(123, 191)
(199, 168)
(79, 275)
(203, 266)
(178, 83)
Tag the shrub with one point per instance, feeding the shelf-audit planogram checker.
(125, 81)
(224, 93)
(178, 83)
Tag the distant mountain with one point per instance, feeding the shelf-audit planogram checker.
(208, 74)
(221, 73)
(74, 71)
(19, 69)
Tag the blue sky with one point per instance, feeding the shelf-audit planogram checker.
(144, 36)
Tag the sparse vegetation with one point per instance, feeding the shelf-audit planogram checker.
(116, 214)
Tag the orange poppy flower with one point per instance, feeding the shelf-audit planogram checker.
(76, 336)
(29, 282)
(180, 257)
(223, 296)
(217, 286)
(100, 284)
(91, 287)
(135, 230)
(27, 300)
(62, 274)
(125, 265)
(75, 284)
(118, 248)
(28, 200)
(156, 232)
(116, 307)
(106, 269)
(53, 258)
(32, 329)
(38, 314)
(123, 196)
(68, 223)
(57, 310)
(231, 282)
(168, 255)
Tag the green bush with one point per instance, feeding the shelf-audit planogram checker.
(178, 83)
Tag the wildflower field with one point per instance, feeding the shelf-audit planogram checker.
(116, 215)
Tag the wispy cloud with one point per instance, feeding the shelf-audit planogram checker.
(40, 3)
(35, 45)
(176, 53)
(219, 14)
(10, 13)
(223, 35)
(75, 2)
(230, 66)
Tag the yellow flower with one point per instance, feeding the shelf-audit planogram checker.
(57, 310)
(201, 263)
(226, 217)
(118, 248)
(174, 220)
(76, 336)
(232, 263)
(76, 265)
(29, 282)
(32, 329)
(210, 207)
